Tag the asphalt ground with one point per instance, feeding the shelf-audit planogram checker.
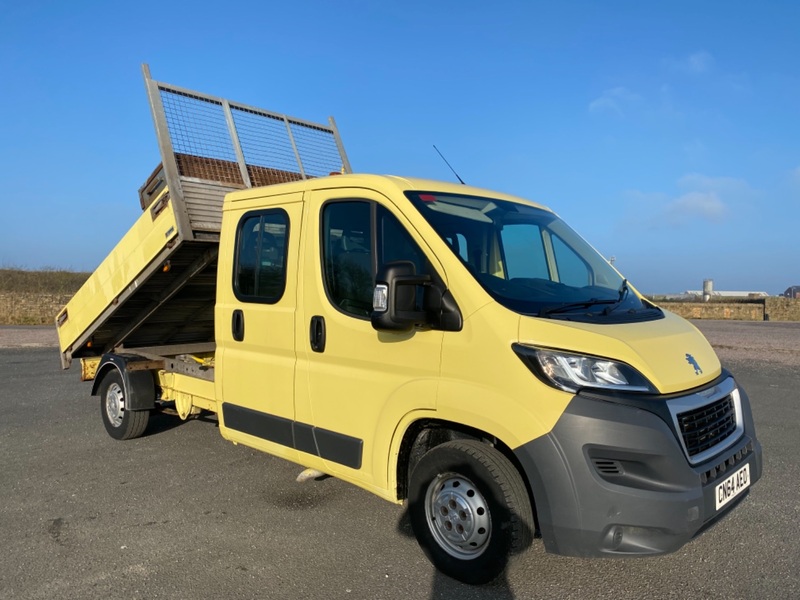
(181, 513)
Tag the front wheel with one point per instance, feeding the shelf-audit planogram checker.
(120, 423)
(469, 510)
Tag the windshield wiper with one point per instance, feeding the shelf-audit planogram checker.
(623, 292)
(552, 310)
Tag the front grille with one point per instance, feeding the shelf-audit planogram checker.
(707, 426)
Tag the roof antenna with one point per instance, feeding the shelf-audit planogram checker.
(448, 164)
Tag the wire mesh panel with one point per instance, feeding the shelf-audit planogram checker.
(267, 148)
(211, 146)
(216, 140)
(318, 150)
(200, 137)
(265, 141)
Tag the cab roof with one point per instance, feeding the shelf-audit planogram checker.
(387, 184)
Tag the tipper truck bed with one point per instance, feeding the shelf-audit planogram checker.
(455, 348)
(155, 291)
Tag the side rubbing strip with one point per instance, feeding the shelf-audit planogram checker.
(304, 438)
(330, 445)
(252, 422)
(339, 448)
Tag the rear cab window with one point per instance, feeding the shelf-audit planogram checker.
(259, 273)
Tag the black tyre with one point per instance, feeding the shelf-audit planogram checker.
(121, 424)
(470, 510)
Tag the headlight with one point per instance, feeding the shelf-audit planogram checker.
(571, 372)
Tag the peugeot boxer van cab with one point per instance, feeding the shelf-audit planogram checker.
(468, 351)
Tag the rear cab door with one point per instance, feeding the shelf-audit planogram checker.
(255, 320)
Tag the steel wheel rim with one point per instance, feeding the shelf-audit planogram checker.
(115, 404)
(458, 516)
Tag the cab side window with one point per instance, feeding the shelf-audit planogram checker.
(396, 243)
(353, 248)
(260, 267)
(348, 256)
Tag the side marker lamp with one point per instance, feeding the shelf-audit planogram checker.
(380, 298)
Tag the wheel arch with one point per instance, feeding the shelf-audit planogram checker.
(426, 433)
(140, 386)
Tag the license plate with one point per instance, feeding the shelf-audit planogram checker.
(732, 486)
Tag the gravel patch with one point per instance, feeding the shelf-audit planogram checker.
(42, 336)
(754, 341)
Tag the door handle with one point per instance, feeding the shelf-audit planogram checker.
(237, 325)
(317, 334)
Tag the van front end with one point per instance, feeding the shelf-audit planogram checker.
(655, 444)
(630, 474)
(637, 439)
(567, 402)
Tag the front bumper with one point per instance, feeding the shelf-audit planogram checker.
(613, 477)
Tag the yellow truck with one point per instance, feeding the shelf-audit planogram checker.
(451, 347)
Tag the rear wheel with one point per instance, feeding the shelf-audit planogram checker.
(469, 509)
(120, 423)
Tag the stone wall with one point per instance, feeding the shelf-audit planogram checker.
(716, 310)
(30, 309)
(782, 309)
(761, 309)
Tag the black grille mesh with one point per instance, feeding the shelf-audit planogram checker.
(705, 427)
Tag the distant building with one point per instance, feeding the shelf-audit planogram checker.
(721, 294)
(792, 292)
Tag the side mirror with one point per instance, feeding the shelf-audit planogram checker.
(394, 300)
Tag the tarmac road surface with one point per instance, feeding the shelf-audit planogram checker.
(181, 513)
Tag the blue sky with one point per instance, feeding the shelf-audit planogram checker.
(667, 134)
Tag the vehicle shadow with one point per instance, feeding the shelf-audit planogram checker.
(445, 587)
(165, 418)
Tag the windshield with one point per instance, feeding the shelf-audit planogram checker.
(529, 260)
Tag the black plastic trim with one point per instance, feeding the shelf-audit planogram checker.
(339, 448)
(653, 403)
(304, 438)
(329, 445)
(140, 387)
(611, 477)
